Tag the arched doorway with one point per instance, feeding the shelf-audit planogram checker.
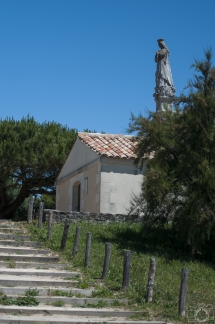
(76, 199)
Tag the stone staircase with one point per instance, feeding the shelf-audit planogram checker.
(29, 273)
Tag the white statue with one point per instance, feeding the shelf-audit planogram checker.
(164, 91)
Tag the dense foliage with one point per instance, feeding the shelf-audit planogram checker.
(31, 155)
(180, 178)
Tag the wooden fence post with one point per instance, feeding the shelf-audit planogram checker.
(183, 289)
(65, 234)
(40, 216)
(151, 277)
(106, 260)
(30, 209)
(50, 225)
(87, 253)
(77, 236)
(126, 269)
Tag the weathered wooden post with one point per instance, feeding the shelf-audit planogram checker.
(40, 215)
(151, 277)
(65, 234)
(87, 253)
(126, 269)
(183, 289)
(77, 237)
(106, 260)
(30, 209)
(50, 225)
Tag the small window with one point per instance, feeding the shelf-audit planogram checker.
(85, 186)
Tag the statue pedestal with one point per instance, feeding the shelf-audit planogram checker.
(164, 97)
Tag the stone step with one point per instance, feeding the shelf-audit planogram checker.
(9, 225)
(74, 300)
(38, 272)
(14, 237)
(20, 243)
(18, 251)
(10, 230)
(22, 250)
(7, 222)
(28, 257)
(20, 291)
(37, 281)
(61, 319)
(70, 311)
(36, 265)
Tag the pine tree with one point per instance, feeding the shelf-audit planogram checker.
(179, 182)
(31, 155)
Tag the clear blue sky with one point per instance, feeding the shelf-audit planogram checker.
(89, 63)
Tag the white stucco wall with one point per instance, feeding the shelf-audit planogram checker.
(119, 179)
(79, 156)
(90, 201)
(111, 181)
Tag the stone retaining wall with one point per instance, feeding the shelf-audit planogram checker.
(74, 217)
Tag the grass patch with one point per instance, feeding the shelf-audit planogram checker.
(62, 293)
(58, 303)
(20, 301)
(5, 300)
(31, 292)
(158, 243)
(11, 264)
(83, 284)
(26, 301)
(99, 304)
(19, 239)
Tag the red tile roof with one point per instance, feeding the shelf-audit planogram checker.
(121, 146)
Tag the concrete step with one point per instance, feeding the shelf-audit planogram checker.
(7, 222)
(28, 257)
(70, 311)
(27, 265)
(75, 300)
(13, 230)
(15, 237)
(20, 243)
(34, 281)
(18, 251)
(20, 291)
(22, 250)
(61, 319)
(38, 272)
(9, 225)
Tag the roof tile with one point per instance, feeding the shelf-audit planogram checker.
(122, 146)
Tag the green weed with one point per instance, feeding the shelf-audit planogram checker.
(32, 292)
(83, 284)
(20, 301)
(99, 304)
(11, 264)
(58, 303)
(6, 301)
(65, 293)
(26, 301)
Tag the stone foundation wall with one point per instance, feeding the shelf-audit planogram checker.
(74, 217)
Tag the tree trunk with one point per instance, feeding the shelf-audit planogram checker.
(8, 210)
